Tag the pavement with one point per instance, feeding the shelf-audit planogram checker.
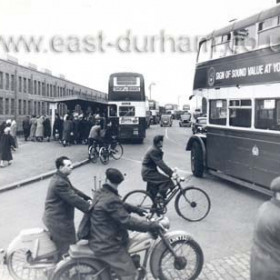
(35, 161)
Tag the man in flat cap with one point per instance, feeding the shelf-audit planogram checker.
(110, 222)
(265, 254)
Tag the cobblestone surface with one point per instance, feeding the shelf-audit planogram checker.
(235, 267)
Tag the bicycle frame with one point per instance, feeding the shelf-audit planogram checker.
(178, 188)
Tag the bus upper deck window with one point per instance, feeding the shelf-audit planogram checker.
(204, 51)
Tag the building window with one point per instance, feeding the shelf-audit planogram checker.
(54, 91)
(19, 107)
(24, 107)
(13, 82)
(48, 90)
(39, 108)
(35, 87)
(1, 80)
(7, 106)
(29, 85)
(51, 88)
(24, 85)
(12, 106)
(43, 89)
(35, 108)
(7, 81)
(1, 106)
(39, 88)
(19, 84)
(29, 107)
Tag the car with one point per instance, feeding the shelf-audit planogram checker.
(199, 126)
(185, 119)
(166, 120)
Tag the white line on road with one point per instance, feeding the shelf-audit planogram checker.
(166, 135)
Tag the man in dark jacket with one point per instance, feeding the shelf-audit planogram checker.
(110, 220)
(265, 254)
(153, 159)
(62, 199)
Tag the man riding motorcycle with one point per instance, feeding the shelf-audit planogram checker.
(110, 222)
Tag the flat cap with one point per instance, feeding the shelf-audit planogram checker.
(114, 175)
(275, 184)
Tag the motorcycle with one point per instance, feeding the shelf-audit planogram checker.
(31, 255)
(170, 255)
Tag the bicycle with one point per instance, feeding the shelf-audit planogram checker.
(95, 152)
(114, 147)
(192, 204)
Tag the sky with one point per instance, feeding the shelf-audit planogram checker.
(87, 40)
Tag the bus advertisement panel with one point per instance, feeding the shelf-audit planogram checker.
(240, 83)
(127, 102)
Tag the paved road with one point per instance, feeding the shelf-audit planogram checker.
(225, 235)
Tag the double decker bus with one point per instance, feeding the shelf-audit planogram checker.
(127, 105)
(238, 76)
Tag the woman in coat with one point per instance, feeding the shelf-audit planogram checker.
(39, 129)
(67, 131)
(13, 132)
(265, 254)
(6, 145)
(33, 122)
(47, 128)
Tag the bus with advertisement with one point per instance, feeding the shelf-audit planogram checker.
(127, 105)
(237, 75)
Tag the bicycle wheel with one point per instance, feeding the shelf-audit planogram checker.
(20, 268)
(80, 269)
(93, 154)
(139, 198)
(192, 204)
(189, 265)
(104, 155)
(117, 151)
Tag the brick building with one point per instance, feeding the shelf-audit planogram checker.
(26, 91)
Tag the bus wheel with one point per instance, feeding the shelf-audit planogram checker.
(197, 160)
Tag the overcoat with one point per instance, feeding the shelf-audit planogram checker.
(265, 254)
(47, 127)
(7, 141)
(62, 198)
(110, 220)
(152, 160)
(39, 127)
(67, 129)
(33, 127)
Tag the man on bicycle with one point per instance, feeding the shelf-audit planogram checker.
(157, 183)
(110, 221)
(94, 138)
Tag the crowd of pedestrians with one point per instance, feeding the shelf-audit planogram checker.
(72, 128)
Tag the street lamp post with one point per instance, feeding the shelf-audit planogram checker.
(179, 96)
(150, 88)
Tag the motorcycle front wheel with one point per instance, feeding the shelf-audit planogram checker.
(187, 267)
(80, 269)
(22, 267)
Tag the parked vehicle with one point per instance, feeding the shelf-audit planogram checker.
(166, 120)
(170, 255)
(185, 119)
(199, 126)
